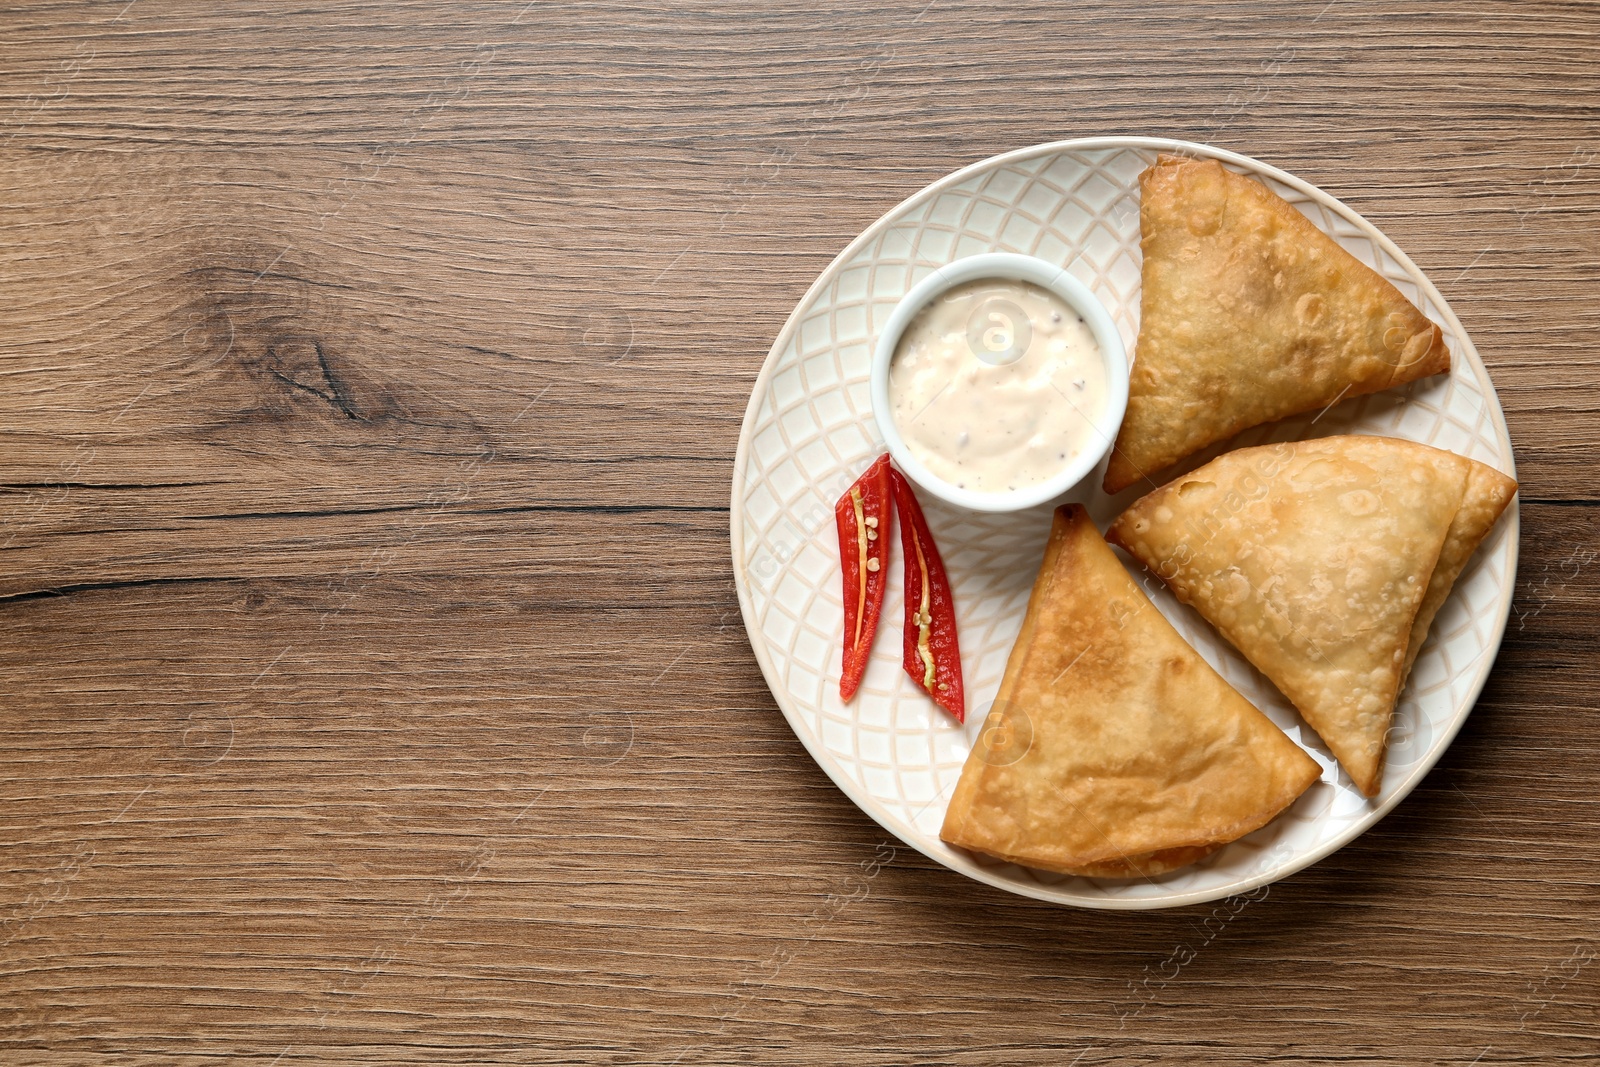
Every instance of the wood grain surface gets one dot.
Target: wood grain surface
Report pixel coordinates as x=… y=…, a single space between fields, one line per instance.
x=374 y=684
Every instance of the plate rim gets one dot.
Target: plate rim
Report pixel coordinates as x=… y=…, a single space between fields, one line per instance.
x=1510 y=522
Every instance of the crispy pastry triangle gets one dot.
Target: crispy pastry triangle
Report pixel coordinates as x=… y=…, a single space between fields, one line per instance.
x=1114 y=750
x=1249 y=313
x=1323 y=562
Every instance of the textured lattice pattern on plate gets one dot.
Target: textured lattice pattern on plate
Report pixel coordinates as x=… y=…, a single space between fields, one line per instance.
x=809 y=432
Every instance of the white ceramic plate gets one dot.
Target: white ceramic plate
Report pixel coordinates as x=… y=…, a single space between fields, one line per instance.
x=809 y=432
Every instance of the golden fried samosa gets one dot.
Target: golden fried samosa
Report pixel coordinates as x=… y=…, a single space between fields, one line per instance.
x=1122 y=753
x=1316 y=560
x=1249 y=313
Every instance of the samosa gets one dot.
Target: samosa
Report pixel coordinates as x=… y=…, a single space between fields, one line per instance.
x=1248 y=314
x=1323 y=562
x=1122 y=753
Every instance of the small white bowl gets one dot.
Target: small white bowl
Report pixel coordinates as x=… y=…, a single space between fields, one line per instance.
x=1007 y=266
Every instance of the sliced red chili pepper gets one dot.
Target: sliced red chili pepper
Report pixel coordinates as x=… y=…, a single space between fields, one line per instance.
x=933 y=656
x=865 y=516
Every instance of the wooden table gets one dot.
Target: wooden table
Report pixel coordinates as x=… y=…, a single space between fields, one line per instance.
x=375 y=687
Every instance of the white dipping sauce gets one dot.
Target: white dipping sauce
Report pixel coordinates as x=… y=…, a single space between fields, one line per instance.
x=996 y=385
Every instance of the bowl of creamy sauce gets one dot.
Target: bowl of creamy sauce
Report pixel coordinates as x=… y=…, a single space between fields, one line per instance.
x=999 y=382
